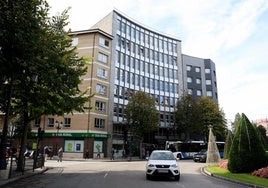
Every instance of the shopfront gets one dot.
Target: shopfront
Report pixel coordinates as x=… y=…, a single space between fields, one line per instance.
x=74 y=145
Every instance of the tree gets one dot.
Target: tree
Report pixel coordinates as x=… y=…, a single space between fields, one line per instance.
x=142 y=115
x=228 y=144
x=262 y=133
x=186 y=116
x=210 y=114
x=41 y=65
x=236 y=122
x=247 y=152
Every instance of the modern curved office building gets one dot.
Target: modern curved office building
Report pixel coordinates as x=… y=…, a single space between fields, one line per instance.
x=150 y=61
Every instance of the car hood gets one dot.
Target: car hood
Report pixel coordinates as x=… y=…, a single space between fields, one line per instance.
x=162 y=162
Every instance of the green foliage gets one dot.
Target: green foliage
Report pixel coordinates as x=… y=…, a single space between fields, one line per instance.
x=236 y=122
x=240 y=177
x=247 y=152
x=38 y=56
x=142 y=115
x=38 y=63
x=262 y=134
x=210 y=114
x=228 y=144
x=195 y=115
x=186 y=115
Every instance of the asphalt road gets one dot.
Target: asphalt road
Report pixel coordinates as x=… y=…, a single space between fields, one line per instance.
x=105 y=174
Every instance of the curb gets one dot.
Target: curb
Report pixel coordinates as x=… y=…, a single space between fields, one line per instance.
x=206 y=173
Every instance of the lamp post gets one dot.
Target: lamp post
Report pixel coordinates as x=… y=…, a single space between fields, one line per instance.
x=40 y=134
x=11 y=134
x=58 y=126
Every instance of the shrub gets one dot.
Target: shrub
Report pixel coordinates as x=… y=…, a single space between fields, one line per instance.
x=247 y=151
x=228 y=143
x=263 y=172
x=224 y=164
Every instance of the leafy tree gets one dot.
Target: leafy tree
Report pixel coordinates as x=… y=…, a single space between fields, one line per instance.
x=262 y=133
x=186 y=116
x=210 y=114
x=236 y=122
x=142 y=115
x=247 y=152
x=41 y=66
x=228 y=144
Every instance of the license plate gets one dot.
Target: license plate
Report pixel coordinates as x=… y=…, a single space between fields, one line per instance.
x=163 y=170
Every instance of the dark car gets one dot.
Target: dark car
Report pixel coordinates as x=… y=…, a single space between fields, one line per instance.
x=201 y=156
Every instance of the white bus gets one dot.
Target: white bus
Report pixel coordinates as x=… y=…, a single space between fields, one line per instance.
x=187 y=149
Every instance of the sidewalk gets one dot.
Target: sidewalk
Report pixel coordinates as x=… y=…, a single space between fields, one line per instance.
x=19 y=175
x=29 y=172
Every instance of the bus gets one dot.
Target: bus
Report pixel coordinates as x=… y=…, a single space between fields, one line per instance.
x=187 y=149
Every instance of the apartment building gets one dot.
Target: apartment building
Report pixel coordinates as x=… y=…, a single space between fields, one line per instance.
x=89 y=130
x=126 y=57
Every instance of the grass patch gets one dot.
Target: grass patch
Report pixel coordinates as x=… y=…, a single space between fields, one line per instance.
x=242 y=177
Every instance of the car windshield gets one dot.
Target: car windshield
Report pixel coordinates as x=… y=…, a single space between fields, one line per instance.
x=162 y=156
x=203 y=151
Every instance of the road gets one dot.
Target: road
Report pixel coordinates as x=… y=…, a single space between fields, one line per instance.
x=105 y=174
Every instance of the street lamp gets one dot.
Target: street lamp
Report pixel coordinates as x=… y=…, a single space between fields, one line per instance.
x=58 y=126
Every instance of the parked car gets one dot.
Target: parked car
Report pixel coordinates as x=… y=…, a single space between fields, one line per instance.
x=201 y=156
x=162 y=163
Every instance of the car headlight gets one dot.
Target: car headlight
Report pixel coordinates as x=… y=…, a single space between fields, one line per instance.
x=150 y=165
x=174 y=166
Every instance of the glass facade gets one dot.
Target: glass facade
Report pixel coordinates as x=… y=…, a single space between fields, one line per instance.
x=146 y=61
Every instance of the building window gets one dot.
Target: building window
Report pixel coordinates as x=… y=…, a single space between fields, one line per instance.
x=67 y=122
x=74 y=41
x=50 y=122
x=101 y=89
x=99 y=123
x=102 y=57
x=198 y=80
x=104 y=42
x=197 y=69
x=102 y=73
x=208 y=82
x=100 y=106
x=189 y=79
x=190 y=91
x=198 y=92
x=209 y=93
x=37 y=122
x=188 y=67
x=207 y=71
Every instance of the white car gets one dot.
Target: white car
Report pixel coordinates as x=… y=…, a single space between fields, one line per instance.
x=162 y=163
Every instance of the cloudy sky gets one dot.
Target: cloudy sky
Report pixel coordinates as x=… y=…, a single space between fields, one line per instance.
x=233 y=33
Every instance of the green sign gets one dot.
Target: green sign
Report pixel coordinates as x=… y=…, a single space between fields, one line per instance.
x=73 y=135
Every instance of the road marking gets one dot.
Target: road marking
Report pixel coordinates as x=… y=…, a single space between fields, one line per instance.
x=106 y=174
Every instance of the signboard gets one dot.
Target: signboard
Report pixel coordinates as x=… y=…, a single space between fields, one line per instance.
x=98 y=145
x=73 y=145
x=73 y=135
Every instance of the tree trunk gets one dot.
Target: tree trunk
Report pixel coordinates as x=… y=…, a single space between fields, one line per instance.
x=20 y=166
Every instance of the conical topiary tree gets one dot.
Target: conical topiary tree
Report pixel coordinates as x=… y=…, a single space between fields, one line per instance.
x=228 y=143
x=247 y=152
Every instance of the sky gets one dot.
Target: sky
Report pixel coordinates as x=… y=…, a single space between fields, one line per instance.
x=232 y=33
